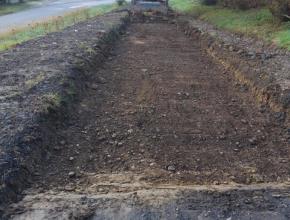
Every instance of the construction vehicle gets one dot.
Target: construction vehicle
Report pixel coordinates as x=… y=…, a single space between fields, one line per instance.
x=150 y=3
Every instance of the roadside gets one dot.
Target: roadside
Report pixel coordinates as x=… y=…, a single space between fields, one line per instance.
x=22 y=34
x=13 y=8
x=229 y=37
x=259 y=23
x=44 y=11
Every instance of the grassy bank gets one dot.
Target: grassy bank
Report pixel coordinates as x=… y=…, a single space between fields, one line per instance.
x=19 y=35
x=8 y=9
x=256 y=22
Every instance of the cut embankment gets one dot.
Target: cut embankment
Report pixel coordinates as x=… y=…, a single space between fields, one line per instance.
x=250 y=44
x=40 y=80
x=254 y=64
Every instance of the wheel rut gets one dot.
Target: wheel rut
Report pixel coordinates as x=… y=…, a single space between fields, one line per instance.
x=163 y=132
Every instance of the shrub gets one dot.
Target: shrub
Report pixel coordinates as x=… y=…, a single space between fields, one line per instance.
x=208 y=2
x=280 y=9
x=242 y=4
x=120 y=2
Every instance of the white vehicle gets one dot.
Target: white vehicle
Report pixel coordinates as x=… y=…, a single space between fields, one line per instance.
x=150 y=3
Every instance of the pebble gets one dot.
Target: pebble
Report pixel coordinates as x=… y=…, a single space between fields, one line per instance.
x=71 y=158
x=171 y=168
x=240 y=51
x=102 y=138
x=101 y=190
x=244 y=121
x=57 y=148
x=253 y=141
x=71 y=174
x=69 y=188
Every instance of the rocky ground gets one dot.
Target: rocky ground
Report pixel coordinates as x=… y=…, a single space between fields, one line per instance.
x=162 y=132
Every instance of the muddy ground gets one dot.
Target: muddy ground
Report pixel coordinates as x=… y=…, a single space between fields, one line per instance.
x=162 y=132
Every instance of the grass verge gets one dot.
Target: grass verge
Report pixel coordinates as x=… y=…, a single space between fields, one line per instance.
x=255 y=22
x=8 y=9
x=19 y=35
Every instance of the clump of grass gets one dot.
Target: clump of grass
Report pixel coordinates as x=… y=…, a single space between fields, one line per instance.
x=255 y=22
x=19 y=35
x=282 y=37
x=183 y=5
x=50 y=102
x=34 y=81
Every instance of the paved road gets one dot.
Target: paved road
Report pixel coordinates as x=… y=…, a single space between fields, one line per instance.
x=43 y=10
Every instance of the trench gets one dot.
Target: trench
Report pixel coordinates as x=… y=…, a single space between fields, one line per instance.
x=162 y=133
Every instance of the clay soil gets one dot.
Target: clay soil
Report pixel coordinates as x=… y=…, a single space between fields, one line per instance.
x=161 y=109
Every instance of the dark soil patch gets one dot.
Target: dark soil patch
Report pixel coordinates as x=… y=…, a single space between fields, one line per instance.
x=161 y=104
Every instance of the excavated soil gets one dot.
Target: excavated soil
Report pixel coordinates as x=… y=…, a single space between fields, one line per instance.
x=161 y=114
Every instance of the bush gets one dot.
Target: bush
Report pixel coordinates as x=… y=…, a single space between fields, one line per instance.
x=242 y=4
x=280 y=9
x=208 y=2
x=120 y=2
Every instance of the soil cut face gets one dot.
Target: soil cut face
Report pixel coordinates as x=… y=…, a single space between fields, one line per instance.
x=161 y=113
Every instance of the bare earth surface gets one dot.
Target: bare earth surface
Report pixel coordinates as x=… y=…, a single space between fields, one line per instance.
x=159 y=119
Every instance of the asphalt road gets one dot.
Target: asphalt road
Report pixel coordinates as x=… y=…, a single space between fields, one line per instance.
x=42 y=10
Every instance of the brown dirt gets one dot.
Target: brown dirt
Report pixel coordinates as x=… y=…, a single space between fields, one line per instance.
x=161 y=101
x=161 y=110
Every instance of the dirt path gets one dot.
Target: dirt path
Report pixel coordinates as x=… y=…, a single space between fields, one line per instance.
x=161 y=114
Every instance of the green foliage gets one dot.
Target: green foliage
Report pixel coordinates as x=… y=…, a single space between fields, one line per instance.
x=208 y=2
x=120 y=2
x=8 y=9
x=243 y=4
x=282 y=37
x=183 y=5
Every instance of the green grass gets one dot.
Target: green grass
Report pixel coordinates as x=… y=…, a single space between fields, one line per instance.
x=8 y=9
x=183 y=5
x=255 y=22
x=19 y=35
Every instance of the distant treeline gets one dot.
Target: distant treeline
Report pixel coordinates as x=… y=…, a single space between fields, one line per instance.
x=3 y=2
x=279 y=8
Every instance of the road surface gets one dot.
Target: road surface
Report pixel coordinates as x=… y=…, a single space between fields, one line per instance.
x=43 y=10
